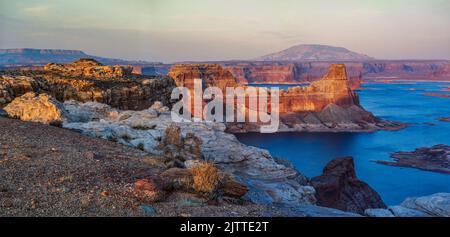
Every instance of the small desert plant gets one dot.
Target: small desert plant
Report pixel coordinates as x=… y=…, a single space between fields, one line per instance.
x=206 y=178
x=141 y=146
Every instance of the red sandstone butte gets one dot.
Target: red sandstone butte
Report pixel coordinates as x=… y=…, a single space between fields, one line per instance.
x=333 y=88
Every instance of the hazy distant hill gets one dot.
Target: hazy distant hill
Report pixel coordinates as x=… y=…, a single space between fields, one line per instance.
x=311 y=52
x=27 y=56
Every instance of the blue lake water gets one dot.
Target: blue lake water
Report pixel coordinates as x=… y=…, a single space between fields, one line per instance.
x=403 y=101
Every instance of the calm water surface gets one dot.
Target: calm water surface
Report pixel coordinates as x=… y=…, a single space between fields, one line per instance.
x=403 y=101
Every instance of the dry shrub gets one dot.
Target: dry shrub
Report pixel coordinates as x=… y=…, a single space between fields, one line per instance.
x=206 y=178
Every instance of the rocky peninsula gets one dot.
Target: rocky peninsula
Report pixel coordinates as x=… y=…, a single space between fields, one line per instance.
x=326 y=105
x=435 y=158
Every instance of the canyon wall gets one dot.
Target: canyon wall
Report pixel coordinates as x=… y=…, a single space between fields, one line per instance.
x=299 y=72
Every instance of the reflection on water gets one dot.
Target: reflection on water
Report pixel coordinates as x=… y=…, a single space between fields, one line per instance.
x=310 y=152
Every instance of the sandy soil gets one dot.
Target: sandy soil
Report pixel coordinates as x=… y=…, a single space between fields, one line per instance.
x=50 y=171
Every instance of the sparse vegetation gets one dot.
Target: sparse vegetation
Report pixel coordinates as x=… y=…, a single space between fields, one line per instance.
x=141 y=147
x=206 y=178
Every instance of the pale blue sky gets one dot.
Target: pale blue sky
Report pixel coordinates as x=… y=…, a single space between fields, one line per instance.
x=177 y=30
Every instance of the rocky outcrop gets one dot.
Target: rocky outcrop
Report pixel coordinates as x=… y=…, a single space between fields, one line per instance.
x=329 y=104
x=211 y=75
x=136 y=92
x=435 y=205
x=86 y=67
x=338 y=187
x=11 y=87
x=435 y=158
x=444 y=119
x=267 y=180
x=36 y=108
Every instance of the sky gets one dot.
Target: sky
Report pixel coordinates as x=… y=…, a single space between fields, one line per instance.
x=184 y=30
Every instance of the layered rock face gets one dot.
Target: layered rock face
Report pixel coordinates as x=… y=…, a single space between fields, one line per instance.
x=85 y=83
x=333 y=88
x=300 y=72
x=338 y=187
x=89 y=68
x=329 y=104
x=211 y=74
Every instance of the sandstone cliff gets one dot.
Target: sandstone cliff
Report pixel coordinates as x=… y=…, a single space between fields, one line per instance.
x=300 y=72
x=334 y=88
x=211 y=74
x=329 y=104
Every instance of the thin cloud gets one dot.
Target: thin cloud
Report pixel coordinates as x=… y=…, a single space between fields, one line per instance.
x=36 y=10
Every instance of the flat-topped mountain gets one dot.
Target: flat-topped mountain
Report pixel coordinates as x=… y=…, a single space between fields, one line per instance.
x=27 y=56
x=315 y=52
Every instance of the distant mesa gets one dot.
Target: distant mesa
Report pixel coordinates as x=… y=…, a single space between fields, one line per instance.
x=27 y=56
x=315 y=52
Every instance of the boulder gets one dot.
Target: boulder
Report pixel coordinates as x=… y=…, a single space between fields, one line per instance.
x=37 y=108
x=400 y=211
x=338 y=187
x=151 y=189
x=437 y=204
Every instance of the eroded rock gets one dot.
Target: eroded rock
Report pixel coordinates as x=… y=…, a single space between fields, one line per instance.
x=37 y=108
x=267 y=180
x=338 y=187
x=435 y=158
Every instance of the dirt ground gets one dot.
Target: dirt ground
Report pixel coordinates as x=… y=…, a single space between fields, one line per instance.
x=51 y=171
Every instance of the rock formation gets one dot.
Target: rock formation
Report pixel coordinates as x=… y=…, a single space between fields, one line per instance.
x=89 y=68
x=332 y=89
x=329 y=104
x=11 y=87
x=338 y=187
x=301 y=72
x=267 y=180
x=444 y=119
x=113 y=87
x=211 y=74
x=435 y=158
x=435 y=205
x=36 y=108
